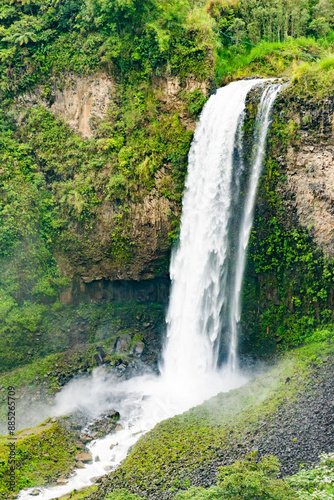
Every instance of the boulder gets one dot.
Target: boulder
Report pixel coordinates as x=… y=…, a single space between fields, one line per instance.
x=83 y=457
x=137 y=348
x=123 y=344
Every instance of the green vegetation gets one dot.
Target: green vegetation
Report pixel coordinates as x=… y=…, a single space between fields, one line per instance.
x=42 y=453
x=317 y=483
x=314 y=80
x=293 y=282
x=169 y=457
x=252 y=21
x=245 y=480
x=270 y=59
x=81 y=494
x=252 y=479
x=289 y=280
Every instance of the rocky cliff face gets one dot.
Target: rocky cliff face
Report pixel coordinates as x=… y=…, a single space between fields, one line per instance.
x=83 y=102
x=308 y=190
x=289 y=280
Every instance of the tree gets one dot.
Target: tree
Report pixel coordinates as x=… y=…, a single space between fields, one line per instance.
x=252 y=480
x=323 y=18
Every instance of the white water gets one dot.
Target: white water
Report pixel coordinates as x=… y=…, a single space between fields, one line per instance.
x=259 y=143
x=197 y=268
x=189 y=373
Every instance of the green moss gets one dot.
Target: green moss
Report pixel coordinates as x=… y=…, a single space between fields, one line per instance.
x=83 y=493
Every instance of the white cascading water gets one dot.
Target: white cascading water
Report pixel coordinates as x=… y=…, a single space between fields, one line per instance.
x=189 y=373
x=259 y=143
x=197 y=268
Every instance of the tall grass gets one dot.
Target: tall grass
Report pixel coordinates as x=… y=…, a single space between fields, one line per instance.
x=271 y=59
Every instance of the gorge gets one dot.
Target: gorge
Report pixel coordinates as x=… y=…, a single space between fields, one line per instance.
x=166 y=249
x=205 y=284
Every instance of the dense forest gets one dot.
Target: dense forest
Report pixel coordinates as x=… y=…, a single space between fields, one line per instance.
x=90 y=207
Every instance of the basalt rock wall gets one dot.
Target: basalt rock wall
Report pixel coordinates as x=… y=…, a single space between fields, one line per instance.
x=288 y=289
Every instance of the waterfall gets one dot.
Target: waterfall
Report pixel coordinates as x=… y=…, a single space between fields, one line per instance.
x=259 y=142
x=199 y=267
x=206 y=290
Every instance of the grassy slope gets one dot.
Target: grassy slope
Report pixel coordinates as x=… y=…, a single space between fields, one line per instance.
x=177 y=451
x=43 y=453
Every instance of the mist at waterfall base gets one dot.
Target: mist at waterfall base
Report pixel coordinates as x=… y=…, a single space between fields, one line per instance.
x=203 y=283
x=142 y=402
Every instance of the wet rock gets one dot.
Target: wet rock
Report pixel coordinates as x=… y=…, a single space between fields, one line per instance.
x=106 y=424
x=84 y=457
x=74 y=422
x=138 y=348
x=85 y=438
x=79 y=445
x=61 y=480
x=35 y=492
x=96 y=479
x=79 y=465
x=123 y=344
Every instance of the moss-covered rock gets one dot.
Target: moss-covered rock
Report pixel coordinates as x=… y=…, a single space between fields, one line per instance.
x=288 y=288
